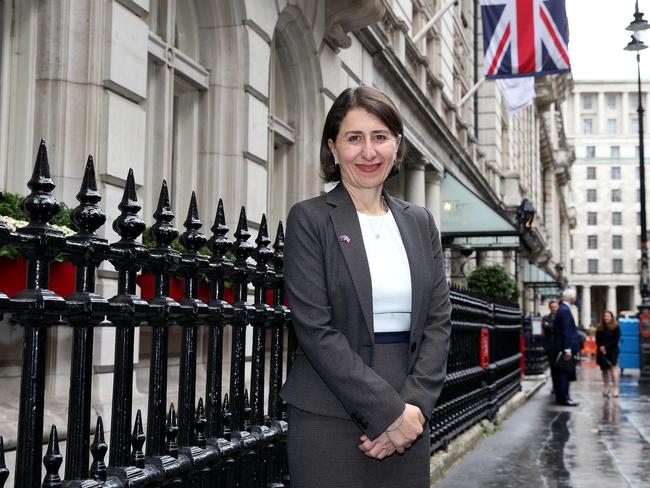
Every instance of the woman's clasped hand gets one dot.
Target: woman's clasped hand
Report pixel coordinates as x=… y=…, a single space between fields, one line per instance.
x=398 y=436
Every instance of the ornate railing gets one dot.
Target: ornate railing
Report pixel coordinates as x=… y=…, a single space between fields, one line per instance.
x=210 y=439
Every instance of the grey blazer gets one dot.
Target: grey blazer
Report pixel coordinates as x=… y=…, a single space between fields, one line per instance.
x=330 y=295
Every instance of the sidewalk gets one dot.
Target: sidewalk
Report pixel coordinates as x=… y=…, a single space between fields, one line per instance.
x=443 y=461
x=605 y=442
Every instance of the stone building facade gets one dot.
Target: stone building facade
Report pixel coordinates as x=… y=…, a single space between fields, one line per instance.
x=228 y=97
x=602 y=122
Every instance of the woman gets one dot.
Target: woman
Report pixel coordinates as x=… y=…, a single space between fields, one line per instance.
x=607 y=336
x=370 y=307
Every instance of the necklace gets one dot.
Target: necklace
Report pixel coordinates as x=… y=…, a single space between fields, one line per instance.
x=376 y=229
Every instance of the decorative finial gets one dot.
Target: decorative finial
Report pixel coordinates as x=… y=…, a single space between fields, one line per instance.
x=40 y=206
x=199 y=424
x=192 y=239
x=98 y=450
x=52 y=461
x=172 y=433
x=88 y=216
x=219 y=243
x=163 y=232
x=129 y=225
x=137 y=441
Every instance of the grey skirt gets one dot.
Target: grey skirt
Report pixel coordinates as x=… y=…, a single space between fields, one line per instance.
x=323 y=451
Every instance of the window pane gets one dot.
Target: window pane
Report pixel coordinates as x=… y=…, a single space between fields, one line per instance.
x=616 y=195
x=587 y=126
x=592 y=242
x=611 y=100
x=617 y=242
x=591 y=151
x=592 y=218
x=616 y=170
x=615 y=153
x=587 y=101
x=591 y=195
x=617 y=266
x=612 y=126
x=592 y=265
x=634 y=124
x=617 y=218
x=591 y=172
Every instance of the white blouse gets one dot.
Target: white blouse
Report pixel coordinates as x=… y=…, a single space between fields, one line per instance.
x=389 y=272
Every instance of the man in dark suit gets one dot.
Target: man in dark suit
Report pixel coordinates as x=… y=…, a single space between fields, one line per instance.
x=565 y=348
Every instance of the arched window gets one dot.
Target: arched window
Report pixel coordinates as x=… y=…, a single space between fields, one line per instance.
x=175 y=81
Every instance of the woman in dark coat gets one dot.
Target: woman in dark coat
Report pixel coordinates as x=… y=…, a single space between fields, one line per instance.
x=608 y=334
x=370 y=308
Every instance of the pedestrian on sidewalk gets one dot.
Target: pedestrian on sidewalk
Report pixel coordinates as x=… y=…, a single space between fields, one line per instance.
x=364 y=273
x=565 y=349
x=608 y=335
x=547 y=331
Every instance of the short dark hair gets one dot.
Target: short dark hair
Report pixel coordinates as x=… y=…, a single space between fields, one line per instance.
x=374 y=101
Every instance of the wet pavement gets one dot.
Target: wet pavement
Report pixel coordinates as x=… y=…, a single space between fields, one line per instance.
x=604 y=442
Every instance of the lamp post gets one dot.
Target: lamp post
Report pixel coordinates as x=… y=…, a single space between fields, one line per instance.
x=638 y=25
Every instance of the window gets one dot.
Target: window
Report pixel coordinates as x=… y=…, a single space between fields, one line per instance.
x=616 y=171
x=175 y=80
x=634 y=124
x=617 y=241
x=617 y=218
x=634 y=100
x=615 y=152
x=591 y=172
x=587 y=101
x=587 y=126
x=591 y=151
x=612 y=126
x=592 y=266
x=611 y=100
x=591 y=195
x=573 y=268
x=571 y=241
x=592 y=242
x=617 y=265
x=616 y=195
x=592 y=218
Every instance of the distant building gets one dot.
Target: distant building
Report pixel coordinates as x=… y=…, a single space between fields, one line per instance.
x=602 y=124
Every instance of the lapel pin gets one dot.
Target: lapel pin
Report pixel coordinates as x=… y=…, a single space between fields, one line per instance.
x=344 y=238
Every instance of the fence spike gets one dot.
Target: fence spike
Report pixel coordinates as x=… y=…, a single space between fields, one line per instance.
x=172 y=432
x=262 y=253
x=137 y=441
x=40 y=206
x=192 y=239
x=4 y=472
x=226 y=415
x=88 y=216
x=199 y=424
x=278 y=245
x=98 y=450
x=129 y=225
x=52 y=461
x=163 y=232
x=219 y=243
x=242 y=233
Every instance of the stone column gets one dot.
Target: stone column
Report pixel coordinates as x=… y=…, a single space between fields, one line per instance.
x=611 y=299
x=432 y=194
x=415 y=183
x=586 y=307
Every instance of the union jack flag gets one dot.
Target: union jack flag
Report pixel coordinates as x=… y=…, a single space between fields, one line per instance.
x=525 y=37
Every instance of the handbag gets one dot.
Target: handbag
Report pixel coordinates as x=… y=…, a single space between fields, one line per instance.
x=568 y=365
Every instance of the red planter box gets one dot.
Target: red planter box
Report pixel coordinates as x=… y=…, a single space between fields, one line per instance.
x=14 y=276
x=177 y=288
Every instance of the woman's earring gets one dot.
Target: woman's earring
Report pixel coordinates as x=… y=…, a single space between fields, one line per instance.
x=336 y=163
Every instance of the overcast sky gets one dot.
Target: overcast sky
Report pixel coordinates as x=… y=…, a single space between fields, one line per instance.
x=597 y=37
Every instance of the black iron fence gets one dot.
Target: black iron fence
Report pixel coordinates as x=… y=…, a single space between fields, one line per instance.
x=234 y=439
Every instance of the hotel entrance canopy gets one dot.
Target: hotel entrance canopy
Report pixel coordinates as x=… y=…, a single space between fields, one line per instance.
x=467 y=221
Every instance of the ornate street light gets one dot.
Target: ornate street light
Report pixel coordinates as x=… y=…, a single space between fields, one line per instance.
x=638 y=25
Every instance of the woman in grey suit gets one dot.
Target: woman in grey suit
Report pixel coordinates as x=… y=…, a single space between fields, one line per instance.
x=370 y=307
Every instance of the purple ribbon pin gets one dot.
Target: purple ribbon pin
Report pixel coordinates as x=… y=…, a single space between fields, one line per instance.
x=344 y=238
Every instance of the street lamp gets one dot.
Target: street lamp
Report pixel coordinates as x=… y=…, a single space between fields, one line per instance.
x=638 y=25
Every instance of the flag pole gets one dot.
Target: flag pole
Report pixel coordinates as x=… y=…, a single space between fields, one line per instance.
x=434 y=19
x=471 y=92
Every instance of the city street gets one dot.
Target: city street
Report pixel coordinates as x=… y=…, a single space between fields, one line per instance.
x=605 y=442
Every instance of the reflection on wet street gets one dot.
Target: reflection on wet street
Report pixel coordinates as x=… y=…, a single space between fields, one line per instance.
x=605 y=442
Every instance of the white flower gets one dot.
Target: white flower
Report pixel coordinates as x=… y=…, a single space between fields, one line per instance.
x=14 y=224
